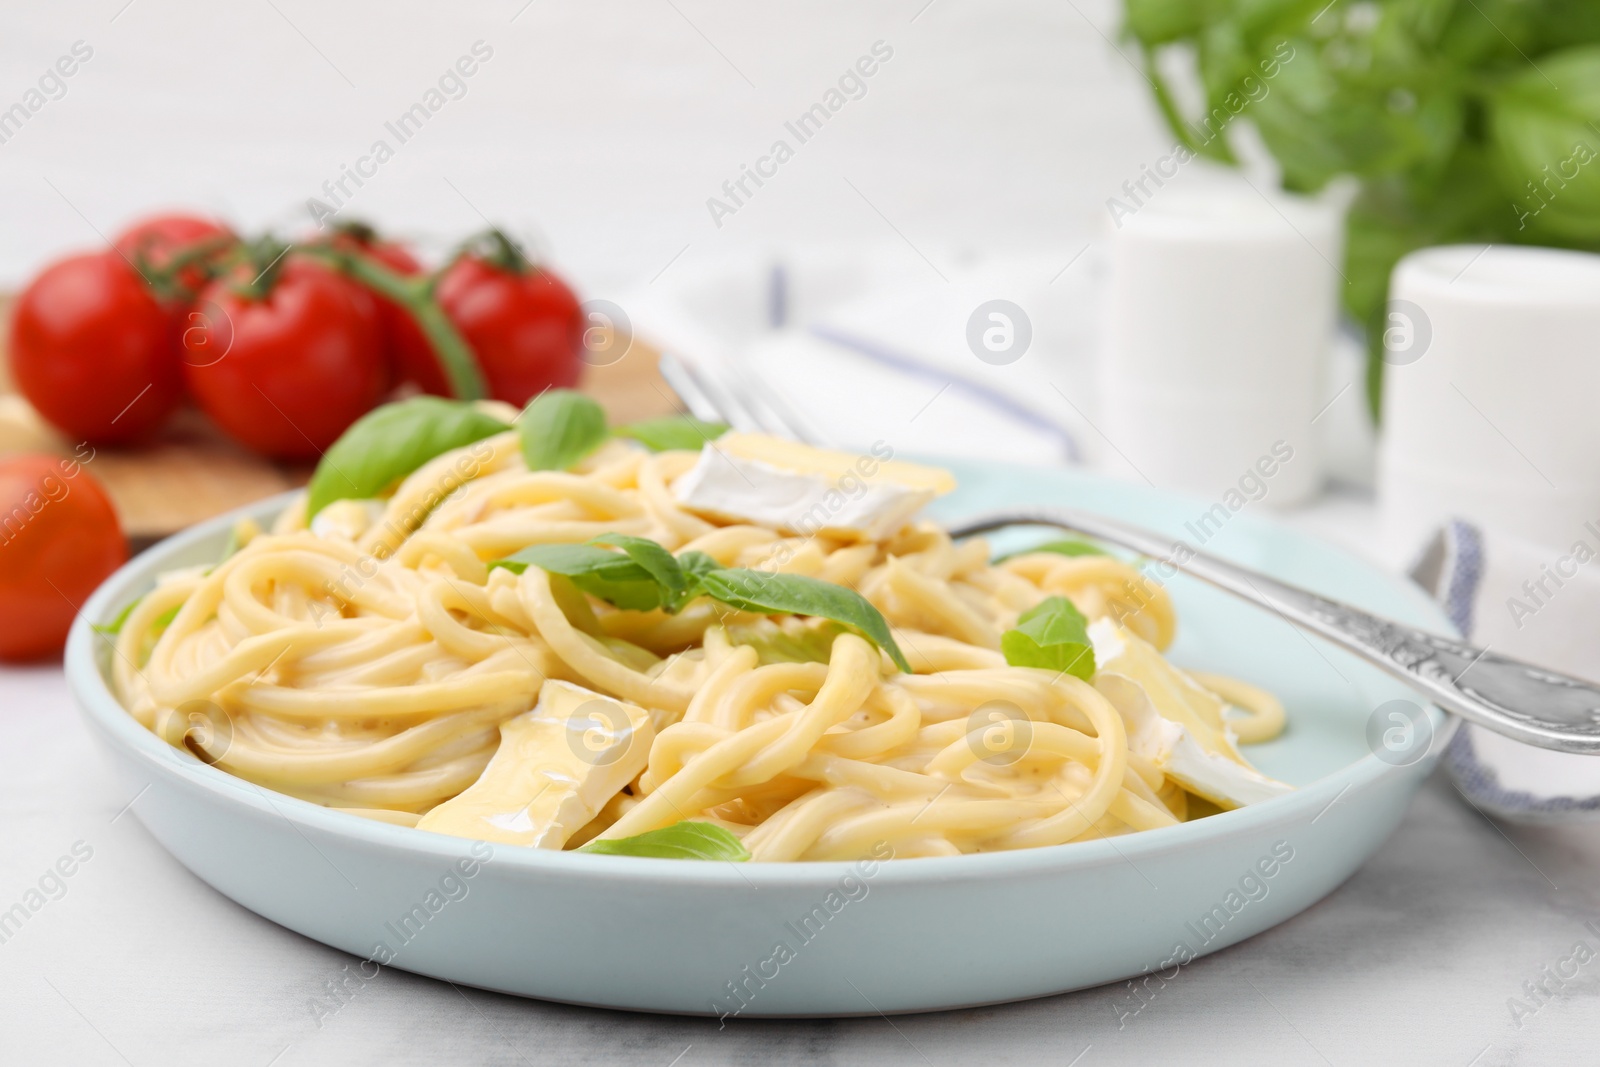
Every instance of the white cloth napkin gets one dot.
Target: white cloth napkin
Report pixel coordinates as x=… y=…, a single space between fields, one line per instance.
x=870 y=343
x=1538 y=604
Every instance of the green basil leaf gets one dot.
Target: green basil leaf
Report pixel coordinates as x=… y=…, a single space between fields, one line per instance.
x=1067 y=547
x=1547 y=144
x=388 y=443
x=114 y=627
x=696 y=565
x=794 y=594
x=674 y=433
x=652 y=557
x=612 y=576
x=558 y=428
x=681 y=841
x=1053 y=635
x=645 y=576
x=159 y=624
x=1161 y=21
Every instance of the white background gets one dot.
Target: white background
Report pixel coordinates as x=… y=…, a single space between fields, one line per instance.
x=600 y=128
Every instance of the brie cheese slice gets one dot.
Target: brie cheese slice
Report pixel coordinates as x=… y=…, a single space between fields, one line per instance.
x=1175 y=695
x=807 y=491
x=556 y=767
x=1174 y=721
x=1226 y=782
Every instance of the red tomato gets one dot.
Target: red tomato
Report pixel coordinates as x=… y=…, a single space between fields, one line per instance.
x=410 y=354
x=526 y=328
x=153 y=241
x=58 y=540
x=286 y=372
x=94 y=351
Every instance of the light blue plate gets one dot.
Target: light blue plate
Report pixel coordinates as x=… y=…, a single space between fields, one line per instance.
x=826 y=938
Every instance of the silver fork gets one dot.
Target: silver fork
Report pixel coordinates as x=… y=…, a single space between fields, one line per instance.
x=1526 y=703
x=741 y=399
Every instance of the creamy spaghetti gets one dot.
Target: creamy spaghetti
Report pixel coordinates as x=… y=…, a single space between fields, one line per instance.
x=375 y=661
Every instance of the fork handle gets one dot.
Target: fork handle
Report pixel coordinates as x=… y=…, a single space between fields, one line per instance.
x=1526 y=703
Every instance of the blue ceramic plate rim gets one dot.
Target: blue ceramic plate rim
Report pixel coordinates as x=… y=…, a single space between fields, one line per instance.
x=89 y=685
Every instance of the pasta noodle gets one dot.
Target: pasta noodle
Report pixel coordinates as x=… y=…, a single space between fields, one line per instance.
x=368 y=660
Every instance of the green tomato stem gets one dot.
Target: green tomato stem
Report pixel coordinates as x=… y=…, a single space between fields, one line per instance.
x=165 y=280
x=207 y=248
x=415 y=294
x=263 y=257
x=495 y=247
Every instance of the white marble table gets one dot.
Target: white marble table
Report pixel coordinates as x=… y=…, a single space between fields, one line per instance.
x=131 y=959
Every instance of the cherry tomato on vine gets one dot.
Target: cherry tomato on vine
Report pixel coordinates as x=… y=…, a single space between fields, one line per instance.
x=409 y=352
x=94 y=351
x=287 y=356
x=522 y=322
x=59 y=539
x=152 y=244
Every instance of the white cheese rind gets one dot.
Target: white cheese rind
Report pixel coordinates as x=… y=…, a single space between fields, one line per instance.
x=1217 y=778
x=1175 y=695
x=1229 y=783
x=556 y=767
x=734 y=488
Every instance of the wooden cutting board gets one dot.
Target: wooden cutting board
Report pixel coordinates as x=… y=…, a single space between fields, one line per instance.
x=192 y=472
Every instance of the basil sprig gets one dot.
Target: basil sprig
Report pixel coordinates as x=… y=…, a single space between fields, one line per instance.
x=386 y=444
x=654 y=560
x=644 y=576
x=674 y=433
x=696 y=565
x=1053 y=635
x=558 y=428
x=612 y=576
x=1071 y=546
x=795 y=594
x=687 y=840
